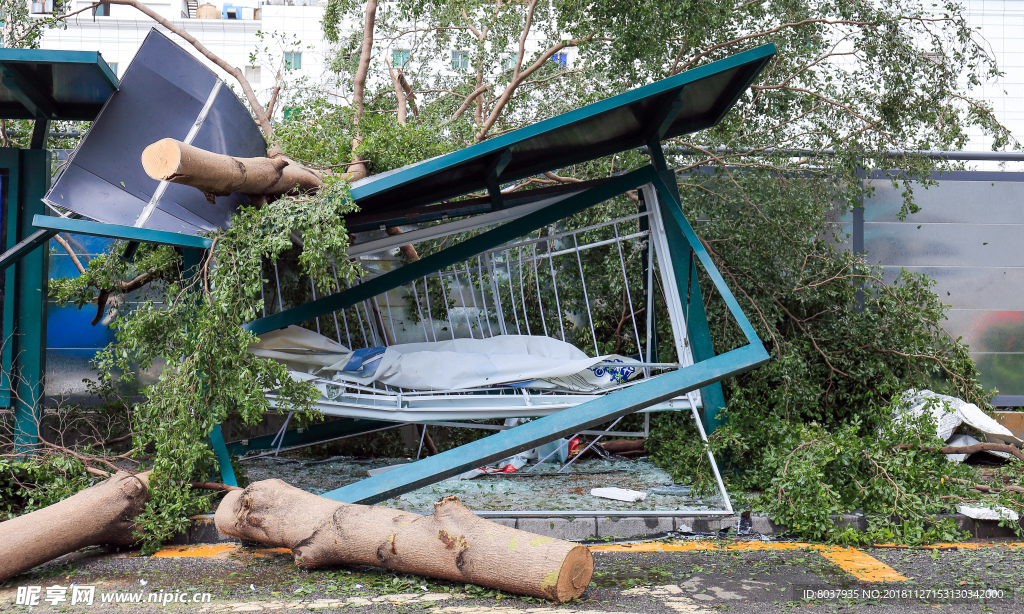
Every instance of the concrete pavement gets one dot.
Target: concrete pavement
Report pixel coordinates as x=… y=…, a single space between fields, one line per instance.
x=696 y=576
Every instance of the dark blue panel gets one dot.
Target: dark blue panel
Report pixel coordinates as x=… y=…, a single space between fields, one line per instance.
x=162 y=95
x=70 y=328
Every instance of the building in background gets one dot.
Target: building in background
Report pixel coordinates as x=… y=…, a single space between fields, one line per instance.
x=285 y=35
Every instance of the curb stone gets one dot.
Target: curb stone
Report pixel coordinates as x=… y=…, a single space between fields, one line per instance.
x=203 y=531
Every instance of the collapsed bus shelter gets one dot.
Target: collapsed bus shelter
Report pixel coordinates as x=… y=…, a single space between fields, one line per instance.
x=419 y=196
x=44 y=86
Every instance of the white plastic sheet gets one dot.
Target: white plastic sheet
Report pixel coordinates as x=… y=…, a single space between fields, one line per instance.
x=986 y=513
x=619 y=494
x=299 y=348
x=950 y=412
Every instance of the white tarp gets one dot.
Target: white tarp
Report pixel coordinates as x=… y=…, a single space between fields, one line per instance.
x=299 y=348
x=618 y=494
x=524 y=360
x=950 y=412
x=986 y=513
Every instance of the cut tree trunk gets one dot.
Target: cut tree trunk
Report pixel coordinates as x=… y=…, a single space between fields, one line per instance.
x=100 y=514
x=452 y=543
x=219 y=174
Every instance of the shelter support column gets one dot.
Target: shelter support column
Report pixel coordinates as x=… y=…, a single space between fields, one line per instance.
x=697 y=327
x=25 y=289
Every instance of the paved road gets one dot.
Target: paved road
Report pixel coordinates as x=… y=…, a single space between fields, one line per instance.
x=694 y=577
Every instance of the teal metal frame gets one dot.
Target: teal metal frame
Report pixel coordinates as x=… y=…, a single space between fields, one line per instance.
x=24 y=349
x=117 y=231
x=685 y=248
x=452 y=175
x=86 y=81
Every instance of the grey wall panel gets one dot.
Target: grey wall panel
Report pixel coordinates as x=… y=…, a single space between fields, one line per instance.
x=974 y=202
x=108 y=201
x=969 y=237
x=903 y=243
x=969 y=287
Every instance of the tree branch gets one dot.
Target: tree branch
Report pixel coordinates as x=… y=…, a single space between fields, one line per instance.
x=978 y=447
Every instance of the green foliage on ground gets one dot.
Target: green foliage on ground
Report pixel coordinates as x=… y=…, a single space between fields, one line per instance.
x=195 y=331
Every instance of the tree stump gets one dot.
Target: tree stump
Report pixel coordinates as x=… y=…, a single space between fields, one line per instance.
x=453 y=543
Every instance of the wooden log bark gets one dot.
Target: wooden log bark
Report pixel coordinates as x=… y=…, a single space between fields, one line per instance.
x=452 y=543
x=218 y=174
x=624 y=446
x=100 y=514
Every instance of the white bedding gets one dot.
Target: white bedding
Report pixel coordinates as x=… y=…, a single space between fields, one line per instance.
x=521 y=360
x=508 y=360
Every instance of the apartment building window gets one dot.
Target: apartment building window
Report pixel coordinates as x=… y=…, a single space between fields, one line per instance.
x=562 y=59
x=252 y=74
x=113 y=67
x=42 y=6
x=101 y=10
x=460 y=60
x=400 y=57
x=293 y=60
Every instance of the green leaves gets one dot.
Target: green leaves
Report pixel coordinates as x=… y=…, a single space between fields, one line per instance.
x=187 y=323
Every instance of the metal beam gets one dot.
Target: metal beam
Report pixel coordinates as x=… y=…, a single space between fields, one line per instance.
x=538 y=432
x=675 y=214
x=457 y=253
x=117 y=231
x=40 y=131
x=494 y=171
x=192 y=261
x=664 y=117
x=684 y=268
x=27 y=93
x=36 y=239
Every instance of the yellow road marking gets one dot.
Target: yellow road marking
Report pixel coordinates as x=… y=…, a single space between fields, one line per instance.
x=862 y=565
x=691 y=546
x=199 y=551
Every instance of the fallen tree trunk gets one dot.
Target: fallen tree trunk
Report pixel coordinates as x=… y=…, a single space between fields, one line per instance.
x=219 y=174
x=100 y=514
x=452 y=544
